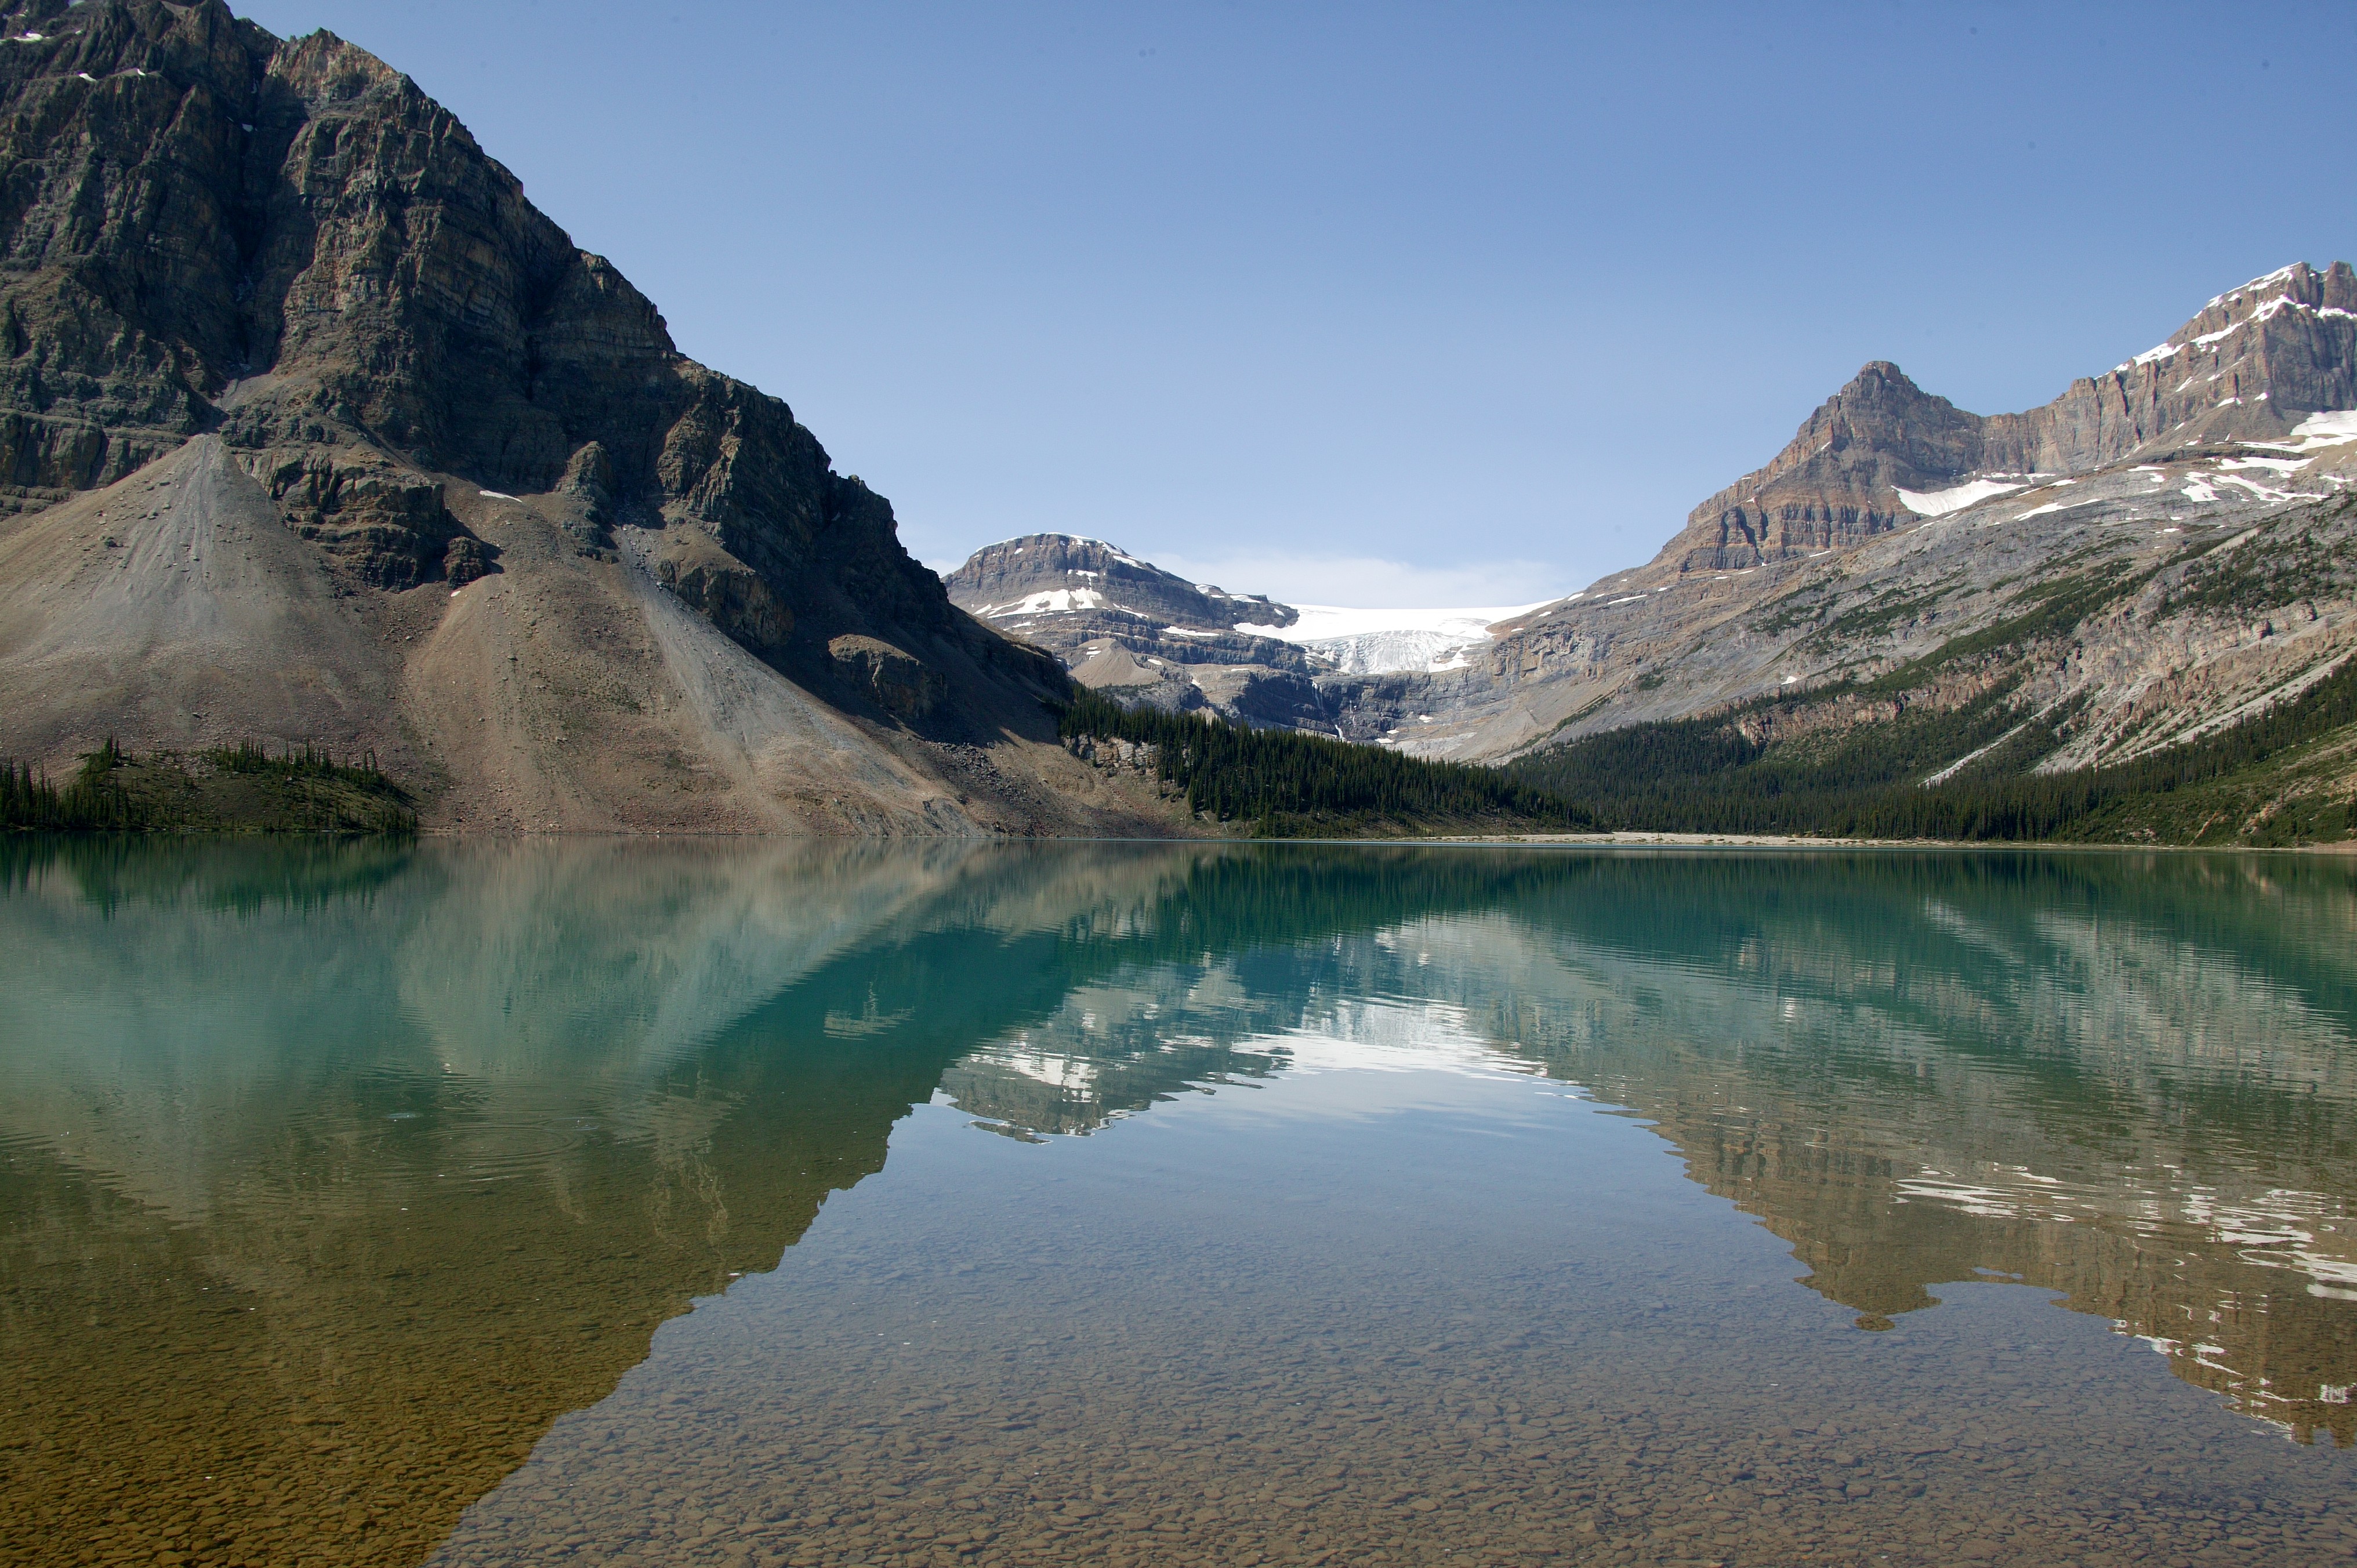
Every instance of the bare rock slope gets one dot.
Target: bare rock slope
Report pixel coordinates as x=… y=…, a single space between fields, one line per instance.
x=313 y=428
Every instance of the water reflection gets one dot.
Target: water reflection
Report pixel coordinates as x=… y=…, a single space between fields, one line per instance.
x=334 y=1175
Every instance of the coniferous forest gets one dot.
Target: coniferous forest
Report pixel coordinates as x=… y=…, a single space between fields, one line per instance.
x=1286 y=784
x=2241 y=785
x=1706 y=776
x=225 y=789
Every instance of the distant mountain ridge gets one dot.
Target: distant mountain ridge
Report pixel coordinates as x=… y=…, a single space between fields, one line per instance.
x=2201 y=434
x=1909 y=594
x=1125 y=625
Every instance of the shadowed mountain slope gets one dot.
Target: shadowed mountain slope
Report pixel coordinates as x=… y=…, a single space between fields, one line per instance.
x=315 y=429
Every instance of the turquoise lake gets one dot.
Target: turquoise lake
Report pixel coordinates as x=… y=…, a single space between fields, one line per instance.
x=764 y=1202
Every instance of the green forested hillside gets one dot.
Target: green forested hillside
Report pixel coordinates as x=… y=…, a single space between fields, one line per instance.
x=227 y=788
x=2281 y=778
x=1286 y=784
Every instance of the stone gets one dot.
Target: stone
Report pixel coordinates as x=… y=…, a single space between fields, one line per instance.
x=895 y=680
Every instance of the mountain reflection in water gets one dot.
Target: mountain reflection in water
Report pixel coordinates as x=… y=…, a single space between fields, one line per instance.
x=334 y=1175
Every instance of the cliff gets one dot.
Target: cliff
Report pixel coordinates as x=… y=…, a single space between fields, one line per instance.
x=289 y=366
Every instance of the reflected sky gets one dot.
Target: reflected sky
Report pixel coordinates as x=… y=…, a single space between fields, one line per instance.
x=336 y=1176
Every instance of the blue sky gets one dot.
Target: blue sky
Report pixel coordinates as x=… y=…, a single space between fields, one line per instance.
x=1377 y=304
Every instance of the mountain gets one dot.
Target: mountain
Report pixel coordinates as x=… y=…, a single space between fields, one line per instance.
x=2154 y=574
x=2162 y=552
x=1879 y=449
x=313 y=430
x=1143 y=635
x=1127 y=627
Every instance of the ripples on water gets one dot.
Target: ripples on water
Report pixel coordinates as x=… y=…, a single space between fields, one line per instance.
x=354 y=1198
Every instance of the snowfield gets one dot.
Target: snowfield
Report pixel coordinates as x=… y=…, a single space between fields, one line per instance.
x=1940 y=503
x=1048 y=603
x=1380 y=641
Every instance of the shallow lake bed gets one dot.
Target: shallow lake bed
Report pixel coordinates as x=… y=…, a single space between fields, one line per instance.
x=1126 y=1203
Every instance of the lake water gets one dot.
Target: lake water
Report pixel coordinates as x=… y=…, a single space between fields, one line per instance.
x=790 y=1203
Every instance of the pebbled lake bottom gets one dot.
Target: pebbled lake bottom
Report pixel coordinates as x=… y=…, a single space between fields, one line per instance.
x=853 y=1204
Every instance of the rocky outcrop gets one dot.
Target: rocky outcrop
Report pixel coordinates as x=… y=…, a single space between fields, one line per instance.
x=726 y=592
x=889 y=676
x=385 y=523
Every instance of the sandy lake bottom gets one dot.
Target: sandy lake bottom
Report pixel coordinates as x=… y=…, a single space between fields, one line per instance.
x=802 y=1204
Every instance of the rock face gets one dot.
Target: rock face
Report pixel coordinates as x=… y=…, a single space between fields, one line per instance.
x=1836 y=485
x=1017 y=580
x=1125 y=625
x=286 y=251
x=2242 y=370
x=2194 y=500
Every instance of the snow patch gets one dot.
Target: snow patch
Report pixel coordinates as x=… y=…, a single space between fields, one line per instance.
x=2058 y=505
x=1053 y=601
x=2335 y=427
x=2266 y=493
x=1940 y=503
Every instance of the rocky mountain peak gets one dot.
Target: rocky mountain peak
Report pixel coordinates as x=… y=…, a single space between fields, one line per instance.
x=1017 y=580
x=282 y=266
x=1837 y=481
x=207 y=229
x=2297 y=286
x=2248 y=367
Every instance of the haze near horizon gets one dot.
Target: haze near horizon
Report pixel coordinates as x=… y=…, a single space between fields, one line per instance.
x=1386 y=305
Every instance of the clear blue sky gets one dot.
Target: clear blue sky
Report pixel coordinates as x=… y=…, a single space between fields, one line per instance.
x=1393 y=304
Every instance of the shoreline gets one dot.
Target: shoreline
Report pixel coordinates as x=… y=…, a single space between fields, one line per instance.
x=1623 y=840
x=1635 y=840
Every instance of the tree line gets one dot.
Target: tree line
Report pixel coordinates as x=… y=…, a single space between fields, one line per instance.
x=1286 y=784
x=300 y=790
x=1706 y=776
